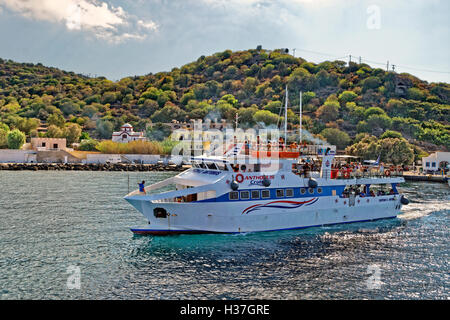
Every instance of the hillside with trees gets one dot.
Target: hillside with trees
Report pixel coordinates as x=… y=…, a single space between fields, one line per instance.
x=361 y=109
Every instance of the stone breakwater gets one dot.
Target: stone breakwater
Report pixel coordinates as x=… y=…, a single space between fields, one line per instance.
x=91 y=167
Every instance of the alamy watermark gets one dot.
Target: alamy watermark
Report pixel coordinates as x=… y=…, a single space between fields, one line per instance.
x=374 y=19
x=374 y=280
x=74 y=278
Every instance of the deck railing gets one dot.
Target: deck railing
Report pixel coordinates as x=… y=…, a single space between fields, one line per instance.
x=349 y=174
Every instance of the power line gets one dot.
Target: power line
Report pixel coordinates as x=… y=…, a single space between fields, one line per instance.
x=423 y=70
x=362 y=59
x=321 y=53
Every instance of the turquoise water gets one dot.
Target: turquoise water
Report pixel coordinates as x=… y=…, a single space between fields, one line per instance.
x=51 y=221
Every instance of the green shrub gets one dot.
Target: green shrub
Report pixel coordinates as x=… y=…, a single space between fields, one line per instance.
x=16 y=139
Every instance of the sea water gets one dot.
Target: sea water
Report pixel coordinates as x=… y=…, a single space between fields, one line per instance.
x=65 y=235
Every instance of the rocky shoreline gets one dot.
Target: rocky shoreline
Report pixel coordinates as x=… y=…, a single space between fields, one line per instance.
x=91 y=167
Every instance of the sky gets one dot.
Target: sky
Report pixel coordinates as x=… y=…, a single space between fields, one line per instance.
x=121 y=38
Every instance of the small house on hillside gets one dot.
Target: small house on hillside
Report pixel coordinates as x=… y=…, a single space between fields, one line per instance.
x=127 y=134
x=47 y=144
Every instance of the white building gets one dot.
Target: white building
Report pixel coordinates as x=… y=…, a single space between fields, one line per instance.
x=126 y=134
x=17 y=156
x=436 y=161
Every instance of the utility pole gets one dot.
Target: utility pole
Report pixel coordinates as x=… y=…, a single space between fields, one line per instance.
x=359 y=59
x=350 y=59
x=293 y=52
x=387 y=66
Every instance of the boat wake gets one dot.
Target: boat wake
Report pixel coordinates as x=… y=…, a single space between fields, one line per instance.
x=422 y=209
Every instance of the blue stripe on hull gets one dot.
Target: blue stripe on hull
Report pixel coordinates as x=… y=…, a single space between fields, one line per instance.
x=173 y=232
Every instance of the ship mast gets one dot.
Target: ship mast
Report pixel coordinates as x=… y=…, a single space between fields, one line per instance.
x=285 y=116
x=300 y=130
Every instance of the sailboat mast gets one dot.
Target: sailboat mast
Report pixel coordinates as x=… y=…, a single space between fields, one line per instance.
x=300 y=130
x=285 y=116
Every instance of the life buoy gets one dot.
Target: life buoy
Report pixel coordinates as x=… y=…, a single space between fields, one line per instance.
x=387 y=173
x=239 y=178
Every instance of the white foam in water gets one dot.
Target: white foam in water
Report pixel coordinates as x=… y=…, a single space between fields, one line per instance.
x=424 y=208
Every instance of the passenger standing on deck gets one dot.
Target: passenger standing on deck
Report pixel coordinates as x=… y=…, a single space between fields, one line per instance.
x=142 y=187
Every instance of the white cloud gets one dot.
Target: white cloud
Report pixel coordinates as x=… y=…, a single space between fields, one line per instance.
x=97 y=17
x=147 y=25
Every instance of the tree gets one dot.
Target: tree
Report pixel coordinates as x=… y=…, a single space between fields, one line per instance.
x=16 y=139
x=273 y=106
x=373 y=110
x=159 y=131
x=109 y=97
x=329 y=111
x=371 y=83
x=70 y=107
x=267 y=70
x=169 y=112
x=72 y=133
x=226 y=110
x=336 y=137
x=376 y=121
x=356 y=113
x=89 y=111
x=27 y=124
x=3 y=138
x=347 y=96
x=391 y=134
x=391 y=150
x=266 y=117
x=148 y=108
x=229 y=98
x=396 y=151
x=231 y=72
x=246 y=115
x=54 y=132
x=88 y=145
x=56 y=119
x=85 y=136
x=104 y=129
x=416 y=94
x=4 y=126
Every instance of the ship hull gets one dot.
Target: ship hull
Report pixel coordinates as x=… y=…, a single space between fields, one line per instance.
x=259 y=216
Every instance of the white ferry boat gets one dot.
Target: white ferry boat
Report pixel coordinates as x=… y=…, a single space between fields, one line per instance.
x=250 y=191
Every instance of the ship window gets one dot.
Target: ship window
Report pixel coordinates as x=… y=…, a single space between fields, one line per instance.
x=255 y=194
x=302 y=190
x=280 y=193
x=265 y=194
x=311 y=190
x=319 y=190
x=289 y=193
x=221 y=166
x=234 y=195
x=245 y=195
x=211 y=166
